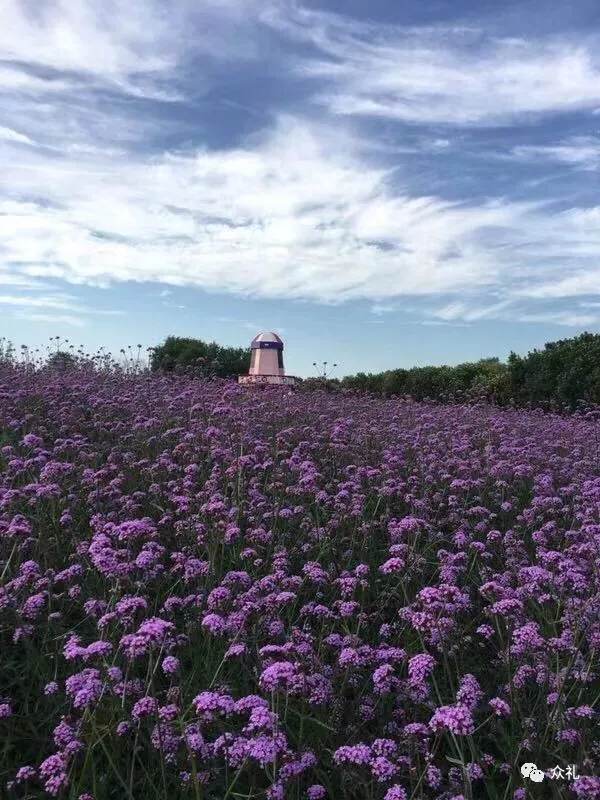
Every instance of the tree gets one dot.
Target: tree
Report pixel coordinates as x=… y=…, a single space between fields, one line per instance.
x=394 y=382
x=200 y=358
x=562 y=375
x=486 y=377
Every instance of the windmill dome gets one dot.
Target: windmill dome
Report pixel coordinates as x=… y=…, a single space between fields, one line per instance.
x=266 y=338
x=266 y=362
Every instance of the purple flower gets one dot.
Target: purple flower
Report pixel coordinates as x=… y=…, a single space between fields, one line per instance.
x=420 y=667
x=396 y=792
x=456 y=719
x=168 y=713
x=85 y=688
x=475 y=772
x=583 y=712
x=249 y=702
x=170 y=665
x=384 y=747
x=527 y=638
x=416 y=729
x=265 y=749
x=209 y=705
x=54 y=772
x=66 y=735
x=433 y=777
x=235 y=650
x=97 y=649
x=31 y=440
x=587 y=787
x=144 y=707
x=383 y=679
x=349 y=608
x=469 y=693
x=278 y=675
x=155 y=629
x=354 y=754
x=392 y=566
x=114 y=673
x=214 y=624
x=25 y=774
x=33 y=605
x=275 y=792
x=260 y=719
x=382 y=769
x=142 y=495
x=123 y=728
x=499 y=707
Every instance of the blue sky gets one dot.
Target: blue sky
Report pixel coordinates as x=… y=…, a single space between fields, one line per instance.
x=384 y=184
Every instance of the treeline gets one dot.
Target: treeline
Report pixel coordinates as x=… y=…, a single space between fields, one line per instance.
x=482 y=378
x=195 y=357
x=563 y=376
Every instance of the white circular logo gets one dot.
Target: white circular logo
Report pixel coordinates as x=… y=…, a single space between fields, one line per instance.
x=526 y=769
x=531 y=771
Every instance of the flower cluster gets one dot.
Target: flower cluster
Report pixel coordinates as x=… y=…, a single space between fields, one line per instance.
x=209 y=589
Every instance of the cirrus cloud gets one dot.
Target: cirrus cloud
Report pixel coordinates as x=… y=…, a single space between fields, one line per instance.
x=107 y=176
x=442 y=74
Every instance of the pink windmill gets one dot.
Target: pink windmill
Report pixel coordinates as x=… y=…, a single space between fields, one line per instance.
x=266 y=362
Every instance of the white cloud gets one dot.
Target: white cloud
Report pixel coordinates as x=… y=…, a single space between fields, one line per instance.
x=131 y=47
x=15 y=280
x=579 y=151
x=580 y=283
x=111 y=42
x=381 y=308
x=451 y=311
x=566 y=318
x=60 y=58
x=250 y=326
x=441 y=74
x=443 y=323
x=305 y=209
x=301 y=212
x=462 y=311
x=440 y=144
x=59 y=319
x=508 y=311
x=58 y=301
x=46 y=307
x=14 y=79
x=14 y=136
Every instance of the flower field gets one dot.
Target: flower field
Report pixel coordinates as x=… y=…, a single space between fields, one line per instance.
x=209 y=592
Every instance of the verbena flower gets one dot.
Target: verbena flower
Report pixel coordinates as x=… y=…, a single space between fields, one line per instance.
x=500 y=707
x=170 y=665
x=233 y=574
x=456 y=719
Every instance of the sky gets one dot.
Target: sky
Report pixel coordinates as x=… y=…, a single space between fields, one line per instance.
x=384 y=184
